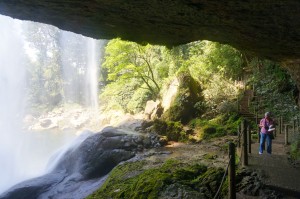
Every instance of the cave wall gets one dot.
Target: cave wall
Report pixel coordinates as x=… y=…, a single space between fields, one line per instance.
x=270 y=28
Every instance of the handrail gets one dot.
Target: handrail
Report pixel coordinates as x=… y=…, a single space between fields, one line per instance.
x=239 y=137
x=226 y=171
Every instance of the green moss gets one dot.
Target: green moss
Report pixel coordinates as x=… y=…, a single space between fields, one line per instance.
x=213 y=131
x=197 y=122
x=210 y=156
x=173 y=130
x=133 y=180
x=295 y=150
x=187 y=102
x=225 y=124
x=254 y=136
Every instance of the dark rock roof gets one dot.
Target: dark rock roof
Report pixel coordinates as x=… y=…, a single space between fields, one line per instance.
x=270 y=28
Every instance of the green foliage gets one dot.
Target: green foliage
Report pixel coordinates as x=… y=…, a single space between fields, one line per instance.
x=117 y=95
x=173 y=130
x=275 y=87
x=131 y=180
x=126 y=60
x=212 y=131
x=225 y=124
x=43 y=71
x=220 y=95
x=216 y=66
x=56 y=66
x=212 y=65
x=138 y=100
x=295 y=149
x=206 y=58
x=135 y=74
x=188 y=101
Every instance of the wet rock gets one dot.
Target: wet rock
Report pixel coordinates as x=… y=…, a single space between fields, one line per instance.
x=45 y=123
x=250 y=183
x=153 y=110
x=33 y=188
x=179 y=191
x=93 y=158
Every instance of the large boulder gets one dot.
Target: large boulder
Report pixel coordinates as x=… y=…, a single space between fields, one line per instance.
x=185 y=104
x=90 y=160
x=153 y=110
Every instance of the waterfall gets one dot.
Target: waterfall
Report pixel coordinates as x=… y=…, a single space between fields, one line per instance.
x=80 y=56
x=71 y=63
x=92 y=72
x=12 y=91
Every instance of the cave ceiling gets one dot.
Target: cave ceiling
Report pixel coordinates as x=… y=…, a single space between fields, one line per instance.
x=269 y=28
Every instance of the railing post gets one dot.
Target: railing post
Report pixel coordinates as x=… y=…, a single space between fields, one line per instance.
x=231 y=172
x=286 y=140
x=297 y=120
x=245 y=151
x=239 y=135
x=281 y=124
x=294 y=125
x=248 y=101
x=298 y=124
x=256 y=118
x=258 y=129
x=294 y=129
x=249 y=139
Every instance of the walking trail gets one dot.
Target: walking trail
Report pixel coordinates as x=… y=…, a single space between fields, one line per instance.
x=278 y=173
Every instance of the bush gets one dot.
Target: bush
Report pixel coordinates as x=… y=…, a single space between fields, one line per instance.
x=173 y=130
x=295 y=149
x=212 y=131
x=138 y=100
x=225 y=124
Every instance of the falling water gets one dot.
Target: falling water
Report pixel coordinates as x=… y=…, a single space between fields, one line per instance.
x=80 y=55
x=24 y=154
x=92 y=72
x=12 y=90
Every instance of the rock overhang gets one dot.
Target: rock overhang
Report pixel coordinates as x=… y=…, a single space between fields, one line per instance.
x=269 y=28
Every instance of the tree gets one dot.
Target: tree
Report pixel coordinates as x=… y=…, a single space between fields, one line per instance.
x=206 y=58
x=128 y=60
x=43 y=69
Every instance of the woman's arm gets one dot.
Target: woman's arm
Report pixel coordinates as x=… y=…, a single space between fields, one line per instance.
x=261 y=124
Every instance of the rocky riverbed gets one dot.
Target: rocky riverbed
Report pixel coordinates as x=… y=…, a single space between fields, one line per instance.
x=127 y=157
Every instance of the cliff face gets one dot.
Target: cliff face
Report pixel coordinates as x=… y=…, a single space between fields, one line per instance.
x=269 y=28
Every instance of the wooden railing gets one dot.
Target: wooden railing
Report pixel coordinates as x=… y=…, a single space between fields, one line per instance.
x=230 y=170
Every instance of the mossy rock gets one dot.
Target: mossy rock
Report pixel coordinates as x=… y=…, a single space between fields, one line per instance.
x=172 y=130
x=185 y=105
x=211 y=131
x=133 y=180
x=225 y=124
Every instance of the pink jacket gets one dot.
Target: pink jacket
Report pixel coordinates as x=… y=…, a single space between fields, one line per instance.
x=265 y=122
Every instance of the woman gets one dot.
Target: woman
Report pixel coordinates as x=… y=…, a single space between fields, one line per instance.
x=265 y=134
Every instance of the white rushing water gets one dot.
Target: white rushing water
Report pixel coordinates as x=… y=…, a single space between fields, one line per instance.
x=80 y=55
x=92 y=72
x=12 y=91
x=25 y=154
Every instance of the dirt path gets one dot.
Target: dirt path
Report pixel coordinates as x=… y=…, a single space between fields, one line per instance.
x=277 y=171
